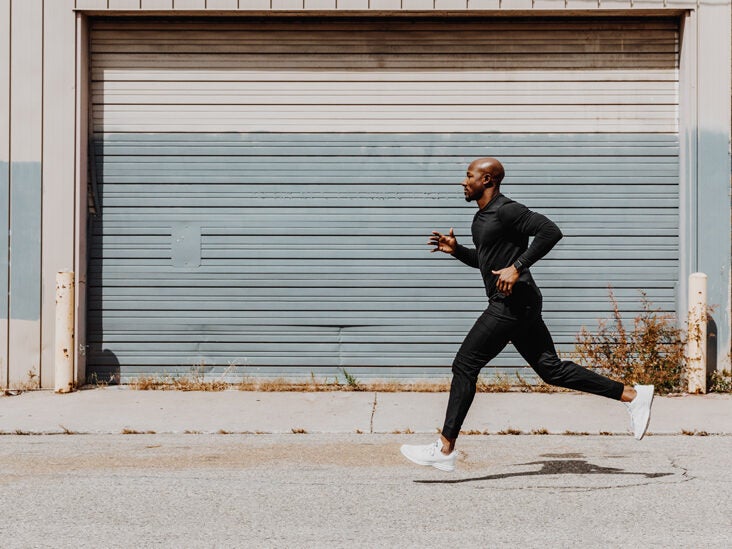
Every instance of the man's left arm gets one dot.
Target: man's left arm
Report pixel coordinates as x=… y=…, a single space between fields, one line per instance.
x=545 y=232
x=522 y=220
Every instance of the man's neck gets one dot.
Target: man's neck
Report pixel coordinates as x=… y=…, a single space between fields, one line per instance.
x=488 y=195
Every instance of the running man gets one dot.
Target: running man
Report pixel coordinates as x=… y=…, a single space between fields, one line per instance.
x=501 y=230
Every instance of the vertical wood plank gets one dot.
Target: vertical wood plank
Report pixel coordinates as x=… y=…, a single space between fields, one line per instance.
x=517 y=4
x=81 y=178
x=687 y=158
x=353 y=4
x=287 y=5
x=58 y=164
x=254 y=5
x=387 y=5
x=713 y=168
x=81 y=142
x=222 y=4
x=91 y=4
x=190 y=4
x=452 y=4
x=26 y=76
x=162 y=5
x=545 y=4
x=583 y=4
x=124 y=4
x=484 y=4
x=320 y=4
x=418 y=4
x=4 y=183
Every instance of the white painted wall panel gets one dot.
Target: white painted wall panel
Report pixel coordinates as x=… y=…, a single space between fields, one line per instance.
x=381 y=5
x=91 y=4
x=484 y=4
x=26 y=109
x=353 y=4
x=127 y=4
x=4 y=81
x=158 y=4
x=450 y=4
x=585 y=4
x=289 y=5
x=254 y=5
x=81 y=161
x=4 y=182
x=222 y=4
x=59 y=103
x=320 y=4
x=713 y=146
x=190 y=4
x=418 y=4
x=518 y=4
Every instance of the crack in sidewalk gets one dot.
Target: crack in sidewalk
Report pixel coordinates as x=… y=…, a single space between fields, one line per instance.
x=373 y=411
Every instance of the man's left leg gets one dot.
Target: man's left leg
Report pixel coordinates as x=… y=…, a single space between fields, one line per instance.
x=534 y=343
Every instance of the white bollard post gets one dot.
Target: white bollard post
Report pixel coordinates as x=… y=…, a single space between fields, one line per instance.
x=64 y=374
x=697 y=344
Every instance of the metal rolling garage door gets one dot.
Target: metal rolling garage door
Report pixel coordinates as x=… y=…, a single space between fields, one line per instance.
x=266 y=187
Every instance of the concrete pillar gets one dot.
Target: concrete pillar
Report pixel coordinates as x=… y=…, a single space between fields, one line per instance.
x=697 y=344
x=64 y=371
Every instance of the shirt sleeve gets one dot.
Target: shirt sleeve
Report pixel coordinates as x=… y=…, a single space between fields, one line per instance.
x=522 y=220
x=469 y=256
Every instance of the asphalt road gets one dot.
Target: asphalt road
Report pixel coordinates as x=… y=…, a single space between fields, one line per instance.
x=309 y=490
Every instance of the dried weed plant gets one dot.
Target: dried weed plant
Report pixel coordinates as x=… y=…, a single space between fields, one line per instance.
x=721 y=381
x=651 y=352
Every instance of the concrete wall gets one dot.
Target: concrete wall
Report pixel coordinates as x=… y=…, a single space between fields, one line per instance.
x=37 y=135
x=43 y=138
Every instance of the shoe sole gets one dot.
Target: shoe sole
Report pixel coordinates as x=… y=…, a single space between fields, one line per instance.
x=441 y=466
x=648 y=419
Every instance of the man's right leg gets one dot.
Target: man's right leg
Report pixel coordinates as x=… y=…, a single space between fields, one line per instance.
x=488 y=337
x=485 y=340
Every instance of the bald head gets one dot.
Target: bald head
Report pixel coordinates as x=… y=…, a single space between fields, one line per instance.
x=488 y=166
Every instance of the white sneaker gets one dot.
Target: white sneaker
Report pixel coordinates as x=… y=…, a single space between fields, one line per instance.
x=640 y=410
x=430 y=454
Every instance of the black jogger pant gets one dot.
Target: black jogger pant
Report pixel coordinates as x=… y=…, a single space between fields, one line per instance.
x=516 y=319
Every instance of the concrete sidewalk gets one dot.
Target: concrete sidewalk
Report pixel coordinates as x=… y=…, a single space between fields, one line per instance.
x=114 y=409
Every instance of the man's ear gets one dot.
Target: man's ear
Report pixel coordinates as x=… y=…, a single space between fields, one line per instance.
x=487 y=183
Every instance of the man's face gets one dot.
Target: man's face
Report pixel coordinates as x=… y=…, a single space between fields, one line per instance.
x=474 y=184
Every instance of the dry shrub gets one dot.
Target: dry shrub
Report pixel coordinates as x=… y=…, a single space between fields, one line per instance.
x=183 y=383
x=721 y=381
x=652 y=352
x=500 y=383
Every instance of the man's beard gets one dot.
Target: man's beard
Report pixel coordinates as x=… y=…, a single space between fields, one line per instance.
x=470 y=198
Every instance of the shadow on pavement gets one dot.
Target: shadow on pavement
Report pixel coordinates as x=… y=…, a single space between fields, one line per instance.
x=553 y=467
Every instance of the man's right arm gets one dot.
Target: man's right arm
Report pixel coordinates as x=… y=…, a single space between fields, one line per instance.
x=469 y=256
x=447 y=243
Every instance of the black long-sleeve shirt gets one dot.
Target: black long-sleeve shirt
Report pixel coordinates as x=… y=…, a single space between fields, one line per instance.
x=501 y=231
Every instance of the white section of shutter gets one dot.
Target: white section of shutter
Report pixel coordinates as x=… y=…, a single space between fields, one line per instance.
x=543 y=75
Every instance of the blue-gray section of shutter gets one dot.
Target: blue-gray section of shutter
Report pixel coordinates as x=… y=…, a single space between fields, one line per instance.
x=291 y=254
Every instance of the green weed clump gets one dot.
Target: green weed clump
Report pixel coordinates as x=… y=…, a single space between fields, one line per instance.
x=651 y=352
